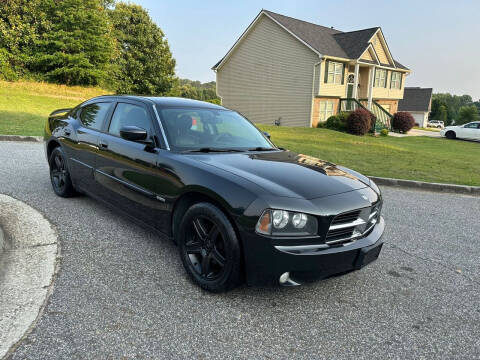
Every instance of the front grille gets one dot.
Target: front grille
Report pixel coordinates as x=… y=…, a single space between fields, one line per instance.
x=352 y=225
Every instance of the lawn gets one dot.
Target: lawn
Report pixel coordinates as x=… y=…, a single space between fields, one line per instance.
x=24 y=106
x=415 y=158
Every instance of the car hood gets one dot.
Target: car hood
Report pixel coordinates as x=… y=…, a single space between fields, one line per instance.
x=285 y=173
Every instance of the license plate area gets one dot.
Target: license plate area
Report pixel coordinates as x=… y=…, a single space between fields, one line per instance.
x=367 y=256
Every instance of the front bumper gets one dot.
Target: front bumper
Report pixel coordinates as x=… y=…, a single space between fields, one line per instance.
x=265 y=262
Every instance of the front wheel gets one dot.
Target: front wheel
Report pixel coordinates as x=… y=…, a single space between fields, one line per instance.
x=450 y=135
x=59 y=175
x=209 y=248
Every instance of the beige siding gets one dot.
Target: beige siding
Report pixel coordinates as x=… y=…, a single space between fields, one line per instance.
x=387 y=93
x=380 y=50
x=327 y=89
x=269 y=75
x=366 y=55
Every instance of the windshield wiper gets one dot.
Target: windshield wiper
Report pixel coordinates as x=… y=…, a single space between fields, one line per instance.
x=209 y=150
x=259 y=148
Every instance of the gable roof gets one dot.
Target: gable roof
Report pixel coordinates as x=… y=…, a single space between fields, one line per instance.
x=416 y=99
x=322 y=40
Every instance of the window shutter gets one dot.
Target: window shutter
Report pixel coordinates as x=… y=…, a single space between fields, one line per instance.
x=401 y=77
x=343 y=74
x=391 y=78
x=386 y=78
x=327 y=64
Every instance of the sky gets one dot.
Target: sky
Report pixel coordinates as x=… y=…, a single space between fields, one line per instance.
x=437 y=40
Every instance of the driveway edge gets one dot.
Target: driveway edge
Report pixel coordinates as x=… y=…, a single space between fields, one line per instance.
x=420 y=185
x=21 y=138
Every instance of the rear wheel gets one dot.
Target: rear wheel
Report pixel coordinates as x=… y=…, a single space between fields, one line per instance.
x=450 y=135
x=209 y=248
x=59 y=175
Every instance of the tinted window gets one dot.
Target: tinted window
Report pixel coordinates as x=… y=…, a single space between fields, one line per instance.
x=190 y=129
x=93 y=115
x=129 y=115
x=471 y=125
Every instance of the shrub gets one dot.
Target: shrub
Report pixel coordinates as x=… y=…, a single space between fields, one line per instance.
x=403 y=121
x=337 y=122
x=359 y=122
x=321 y=125
x=384 y=132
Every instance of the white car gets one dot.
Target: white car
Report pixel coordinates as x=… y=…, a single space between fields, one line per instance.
x=470 y=131
x=436 y=124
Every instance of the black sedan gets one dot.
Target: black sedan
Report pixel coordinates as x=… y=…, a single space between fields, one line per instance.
x=238 y=207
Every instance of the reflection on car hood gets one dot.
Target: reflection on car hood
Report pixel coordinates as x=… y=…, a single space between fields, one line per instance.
x=284 y=173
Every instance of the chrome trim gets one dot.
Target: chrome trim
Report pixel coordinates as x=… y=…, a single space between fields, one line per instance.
x=133 y=187
x=373 y=214
x=161 y=127
x=81 y=163
x=301 y=247
x=347 y=225
x=159 y=198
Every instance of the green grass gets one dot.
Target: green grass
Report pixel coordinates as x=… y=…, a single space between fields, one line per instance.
x=416 y=158
x=25 y=105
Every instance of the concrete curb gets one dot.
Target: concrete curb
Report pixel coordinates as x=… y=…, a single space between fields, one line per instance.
x=28 y=267
x=21 y=138
x=412 y=184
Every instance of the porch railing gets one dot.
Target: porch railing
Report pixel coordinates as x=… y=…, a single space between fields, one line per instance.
x=383 y=117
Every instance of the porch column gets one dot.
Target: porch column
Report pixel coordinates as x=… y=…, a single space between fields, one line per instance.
x=371 y=78
x=355 y=83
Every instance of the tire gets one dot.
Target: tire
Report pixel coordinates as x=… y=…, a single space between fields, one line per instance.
x=209 y=248
x=59 y=175
x=450 y=135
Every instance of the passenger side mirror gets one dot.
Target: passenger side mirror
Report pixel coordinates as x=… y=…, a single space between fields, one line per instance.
x=133 y=133
x=266 y=134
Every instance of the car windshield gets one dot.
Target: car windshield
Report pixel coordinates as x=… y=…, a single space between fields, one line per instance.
x=210 y=130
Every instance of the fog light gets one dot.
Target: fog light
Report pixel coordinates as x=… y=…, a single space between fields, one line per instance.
x=284 y=277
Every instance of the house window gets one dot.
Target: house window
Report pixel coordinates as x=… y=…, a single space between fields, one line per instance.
x=396 y=81
x=380 y=78
x=335 y=72
x=326 y=110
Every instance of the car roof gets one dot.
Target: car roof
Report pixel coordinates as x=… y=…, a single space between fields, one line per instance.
x=165 y=101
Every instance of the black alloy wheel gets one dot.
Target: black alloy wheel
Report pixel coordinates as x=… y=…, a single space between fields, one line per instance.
x=59 y=175
x=209 y=248
x=450 y=135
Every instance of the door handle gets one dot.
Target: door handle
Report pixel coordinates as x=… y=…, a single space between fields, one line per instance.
x=103 y=145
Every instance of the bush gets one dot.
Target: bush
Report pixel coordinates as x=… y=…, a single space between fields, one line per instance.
x=359 y=122
x=403 y=121
x=337 y=122
x=384 y=132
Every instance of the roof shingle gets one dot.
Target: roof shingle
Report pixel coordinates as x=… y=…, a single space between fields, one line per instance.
x=416 y=99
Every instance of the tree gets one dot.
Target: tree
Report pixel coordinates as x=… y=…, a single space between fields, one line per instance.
x=467 y=114
x=442 y=113
x=78 y=48
x=145 y=64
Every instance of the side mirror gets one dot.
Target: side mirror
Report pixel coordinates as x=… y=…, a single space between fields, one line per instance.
x=266 y=134
x=133 y=133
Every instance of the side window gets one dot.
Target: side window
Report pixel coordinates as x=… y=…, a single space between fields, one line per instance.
x=93 y=115
x=129 y=115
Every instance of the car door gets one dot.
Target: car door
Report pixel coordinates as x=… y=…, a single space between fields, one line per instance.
x=83 y=147
x=476 y=132
x=469 y=131
x=126 y=172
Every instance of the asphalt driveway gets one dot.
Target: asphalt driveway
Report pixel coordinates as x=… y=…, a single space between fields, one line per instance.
x=121 y=291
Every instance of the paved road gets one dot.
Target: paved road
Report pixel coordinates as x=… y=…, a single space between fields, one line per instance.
x=122 y=292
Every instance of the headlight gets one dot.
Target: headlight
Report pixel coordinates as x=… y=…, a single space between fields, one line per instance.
x=286 y=223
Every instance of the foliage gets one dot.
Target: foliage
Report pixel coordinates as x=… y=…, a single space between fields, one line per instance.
x=452 y=105
x=359 y=122
x=196 y=90
x=78 y=46
x=145 y=64
x=384 y=132
x=403 y=121
x=467 y=114
x=337 y=122
x=390 y=156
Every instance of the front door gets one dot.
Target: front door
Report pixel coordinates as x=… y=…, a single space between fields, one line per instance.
x=350 y=85
x=126 y=171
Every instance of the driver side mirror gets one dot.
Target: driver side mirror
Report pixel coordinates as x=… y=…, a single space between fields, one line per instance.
x=266 y=134
x=133 y=133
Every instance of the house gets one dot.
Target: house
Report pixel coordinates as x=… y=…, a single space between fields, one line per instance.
x=299 y=73
x=418 y=102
